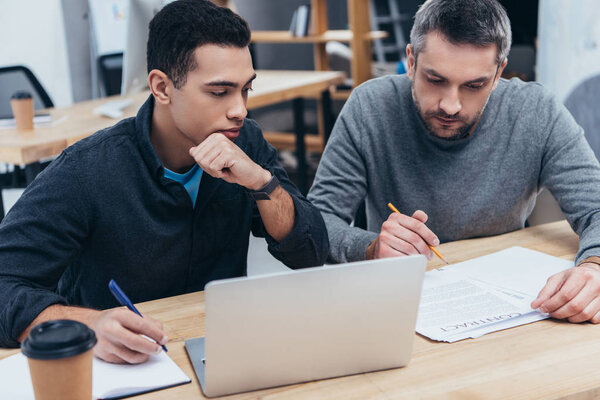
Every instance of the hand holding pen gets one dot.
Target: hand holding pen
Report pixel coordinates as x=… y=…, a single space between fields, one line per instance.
x=122 y=298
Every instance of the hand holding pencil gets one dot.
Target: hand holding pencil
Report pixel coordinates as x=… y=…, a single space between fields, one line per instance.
x=404 y=235
x=437 y=253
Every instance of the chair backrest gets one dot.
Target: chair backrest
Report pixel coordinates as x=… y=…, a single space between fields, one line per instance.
x=16 y=78
x=583 y=102
x=521 y=62
x=111 y=71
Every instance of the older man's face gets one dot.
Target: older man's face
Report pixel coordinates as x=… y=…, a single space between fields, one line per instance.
x=451 y=84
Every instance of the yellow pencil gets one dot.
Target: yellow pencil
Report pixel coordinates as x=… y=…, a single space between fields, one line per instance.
x=437 y=253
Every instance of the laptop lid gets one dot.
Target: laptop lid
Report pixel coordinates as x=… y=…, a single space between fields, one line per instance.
x=315 y=323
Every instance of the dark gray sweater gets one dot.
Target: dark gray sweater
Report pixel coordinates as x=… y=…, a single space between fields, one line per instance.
x=104 y=209
x=485 y=184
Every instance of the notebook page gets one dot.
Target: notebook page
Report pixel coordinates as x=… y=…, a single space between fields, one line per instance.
x=109 y=380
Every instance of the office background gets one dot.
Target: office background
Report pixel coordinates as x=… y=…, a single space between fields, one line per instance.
x=556 y=42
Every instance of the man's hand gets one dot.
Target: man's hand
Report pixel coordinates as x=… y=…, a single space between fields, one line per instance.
x=403 y=235
x=119 y=336
x=221 y=158
x=118 y=331
x=573 y=294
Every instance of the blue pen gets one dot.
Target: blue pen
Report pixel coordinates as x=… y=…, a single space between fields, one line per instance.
x=124 y=300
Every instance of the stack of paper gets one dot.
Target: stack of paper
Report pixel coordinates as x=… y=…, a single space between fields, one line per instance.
x=485 y=294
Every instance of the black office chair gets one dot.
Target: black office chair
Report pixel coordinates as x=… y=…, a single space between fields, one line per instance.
x=12 y=79
x=19 y=77
x=521 y=63
x=111 y=71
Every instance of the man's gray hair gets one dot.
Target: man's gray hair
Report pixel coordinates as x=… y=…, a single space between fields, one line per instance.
x=475 y=22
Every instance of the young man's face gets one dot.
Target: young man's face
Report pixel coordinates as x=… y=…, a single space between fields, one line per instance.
x=214 y=96
x=451 y=84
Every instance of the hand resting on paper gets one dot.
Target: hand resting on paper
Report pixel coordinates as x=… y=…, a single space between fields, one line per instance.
x=118 y=330
x=403 y=235
x=573 y=294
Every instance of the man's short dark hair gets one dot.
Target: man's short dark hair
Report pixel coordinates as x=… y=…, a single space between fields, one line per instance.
x=475 y=22
x=182 y=26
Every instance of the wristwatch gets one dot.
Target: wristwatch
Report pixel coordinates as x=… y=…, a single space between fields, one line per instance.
x=264 y=192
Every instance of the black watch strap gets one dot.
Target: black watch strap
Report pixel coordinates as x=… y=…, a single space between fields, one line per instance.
x=264 y=192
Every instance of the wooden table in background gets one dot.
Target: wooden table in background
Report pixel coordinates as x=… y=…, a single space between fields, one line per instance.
x=545 y=360
x=77 y=121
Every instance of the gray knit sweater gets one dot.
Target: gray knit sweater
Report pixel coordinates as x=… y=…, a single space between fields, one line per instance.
x=483 y=185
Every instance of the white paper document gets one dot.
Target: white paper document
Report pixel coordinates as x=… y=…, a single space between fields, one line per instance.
x=39 y=121
x=485 y=294
x=108 y=380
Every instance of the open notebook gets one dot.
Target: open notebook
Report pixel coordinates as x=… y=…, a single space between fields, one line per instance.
x=110 y=381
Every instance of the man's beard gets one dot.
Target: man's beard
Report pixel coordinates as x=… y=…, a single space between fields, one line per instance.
x=460 y=133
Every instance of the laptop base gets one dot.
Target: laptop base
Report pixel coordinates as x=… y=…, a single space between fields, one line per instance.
x=196 y=353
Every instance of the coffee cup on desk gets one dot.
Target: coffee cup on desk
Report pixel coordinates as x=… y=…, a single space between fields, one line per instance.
x=21 y=103
x=60 y=356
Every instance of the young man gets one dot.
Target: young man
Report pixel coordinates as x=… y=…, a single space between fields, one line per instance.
x=163 y=202
x=468 y=148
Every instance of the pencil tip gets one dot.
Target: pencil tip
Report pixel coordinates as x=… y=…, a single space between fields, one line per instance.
x=447 y=263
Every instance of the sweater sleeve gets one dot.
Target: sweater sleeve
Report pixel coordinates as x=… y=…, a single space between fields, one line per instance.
x=571 y=172
x=341 y=185
x=39 y=238
x=307 y=244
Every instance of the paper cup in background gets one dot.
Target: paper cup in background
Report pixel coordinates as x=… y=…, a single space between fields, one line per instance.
x=21 y=103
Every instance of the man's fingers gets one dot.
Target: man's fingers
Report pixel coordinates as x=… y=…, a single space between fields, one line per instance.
x=420 y=215
x=135 y=342
x=595 y=319
x=553 y=284
x=209 y=145
x=400 y=246
x=416 y=241
x=568 y=289
x=216 y=157
x=576 y=305
x=118 y=335
x=220 y=163
x=143 y=326
x=417 y=227
x=119 y=354
x=587 y=313
x=102 y=354
x=206 y=159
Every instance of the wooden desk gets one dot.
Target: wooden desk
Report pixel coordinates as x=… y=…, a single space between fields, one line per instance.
x=544 y=360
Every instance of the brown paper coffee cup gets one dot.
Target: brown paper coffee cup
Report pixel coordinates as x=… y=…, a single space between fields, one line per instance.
x=60 y=360
x=22 y=108
x=65 y=378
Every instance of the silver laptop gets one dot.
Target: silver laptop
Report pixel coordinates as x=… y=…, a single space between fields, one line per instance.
x=315 y=323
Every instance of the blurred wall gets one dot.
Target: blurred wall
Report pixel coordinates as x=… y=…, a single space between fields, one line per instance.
x=568 y=43
x=33 y=35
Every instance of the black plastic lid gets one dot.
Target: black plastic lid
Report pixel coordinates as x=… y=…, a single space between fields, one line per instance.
x=21 y=94
x=58 y=339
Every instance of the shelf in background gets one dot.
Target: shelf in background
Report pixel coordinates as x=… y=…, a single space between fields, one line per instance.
x=287 y=141
x=328 y=36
